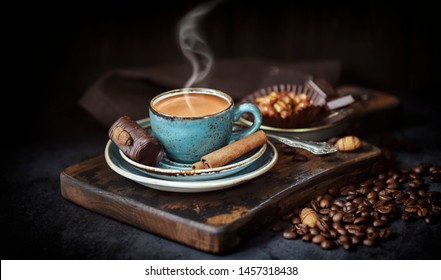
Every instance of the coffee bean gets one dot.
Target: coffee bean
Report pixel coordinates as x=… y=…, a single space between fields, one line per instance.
x=356 y=240
x=411 y=209
x=327 y=244
x=422 y=192
x=342 y=231
x=372 y=235
x=332 y=213
x=288 y=234
x=369 y=242
x=403 y=179
x=406 y=216
x=391 y=181
x=338 y=216
x=301 y=229
x=428 y=219
x=422 y=212
x=346 y=245
x=370 y=229
x=379 y=223
x=307 y=237
x=348 y=218
x=394 y=185
x=418 y=170
x=358 y=200
x=385 y=233
x=351 y=197
x=340 y=203
x=325 y=211
x=435 y=169
x=405 y=170
x=314 y=231
x=326 y=218
x=384 y=209
x=435 y=208
x=414 y=176
x=360 y=220
x=410 y=201
x=325 y=234
x=367 y=183
x=343 y=239
x=344 y=191
x=295 y=220
x=398 y=195
x=322 y=225
x=333 y=233
x=384 y=218
x=315 y=205
x=416 y=183
x=385 y=198
x=350 y=208
x=353 y=229
x=317 y=239
x=325 y=203
x=336 y=225
x=378 y=187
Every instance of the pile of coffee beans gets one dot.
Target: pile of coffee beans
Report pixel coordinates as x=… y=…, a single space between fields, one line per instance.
x=361 y=214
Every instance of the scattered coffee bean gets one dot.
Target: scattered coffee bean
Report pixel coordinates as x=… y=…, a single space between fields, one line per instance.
x=422 y=212
x=360 y=213
x=322 y=225
x=317 y=239
x=369 y=242
x=385 y=233
x=327 y=244
x=307 y=237
x=288 y=234
x=315 y=205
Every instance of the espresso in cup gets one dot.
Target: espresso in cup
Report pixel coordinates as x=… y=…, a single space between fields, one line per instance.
x=193 y=122
x=192 y=105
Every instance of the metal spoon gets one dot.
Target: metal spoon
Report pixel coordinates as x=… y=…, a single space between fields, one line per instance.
x=317 y=148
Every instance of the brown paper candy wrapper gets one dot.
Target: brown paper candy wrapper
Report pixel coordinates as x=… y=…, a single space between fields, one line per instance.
x=300 y=119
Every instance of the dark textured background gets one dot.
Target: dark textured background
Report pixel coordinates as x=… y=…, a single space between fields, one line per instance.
x=55 y=53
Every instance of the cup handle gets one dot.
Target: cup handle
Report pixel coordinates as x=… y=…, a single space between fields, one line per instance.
x=239 y=111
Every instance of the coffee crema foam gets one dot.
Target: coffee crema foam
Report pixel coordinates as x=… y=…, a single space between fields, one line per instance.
x=191 y=105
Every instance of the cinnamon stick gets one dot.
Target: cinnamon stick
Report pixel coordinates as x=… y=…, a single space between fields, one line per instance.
x=232 y=151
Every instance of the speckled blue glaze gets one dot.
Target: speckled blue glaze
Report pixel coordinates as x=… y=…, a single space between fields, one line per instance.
x=187 y=139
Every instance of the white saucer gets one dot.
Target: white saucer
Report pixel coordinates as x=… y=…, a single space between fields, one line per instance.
x=258 y=167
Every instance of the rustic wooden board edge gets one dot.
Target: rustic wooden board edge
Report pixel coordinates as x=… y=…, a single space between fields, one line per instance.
x=203 y=237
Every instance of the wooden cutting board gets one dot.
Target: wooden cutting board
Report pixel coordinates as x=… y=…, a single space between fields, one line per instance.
x=215 y=221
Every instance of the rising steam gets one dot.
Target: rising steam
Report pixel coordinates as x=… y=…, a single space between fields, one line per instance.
x=192 y=44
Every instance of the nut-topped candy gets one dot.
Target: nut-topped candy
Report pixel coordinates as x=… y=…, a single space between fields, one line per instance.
x=134 y=141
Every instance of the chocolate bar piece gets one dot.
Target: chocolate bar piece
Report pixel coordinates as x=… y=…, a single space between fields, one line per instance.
x=134 y=141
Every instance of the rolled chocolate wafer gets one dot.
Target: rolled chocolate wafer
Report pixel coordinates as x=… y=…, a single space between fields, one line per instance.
x=232 y=151
x=134 y=141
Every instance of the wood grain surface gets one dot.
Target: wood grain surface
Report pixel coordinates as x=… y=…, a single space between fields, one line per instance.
x=216 y=221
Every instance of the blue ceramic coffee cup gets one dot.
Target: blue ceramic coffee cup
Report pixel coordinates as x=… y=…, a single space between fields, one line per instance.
x=187 y=137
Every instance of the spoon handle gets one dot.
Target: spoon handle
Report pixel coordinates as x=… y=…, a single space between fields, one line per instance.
x=317 y=148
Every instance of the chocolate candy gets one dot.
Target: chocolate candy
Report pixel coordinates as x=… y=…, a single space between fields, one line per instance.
x=134 y=141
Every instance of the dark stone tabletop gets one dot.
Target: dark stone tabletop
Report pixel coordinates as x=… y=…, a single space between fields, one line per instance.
x=38 y=223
